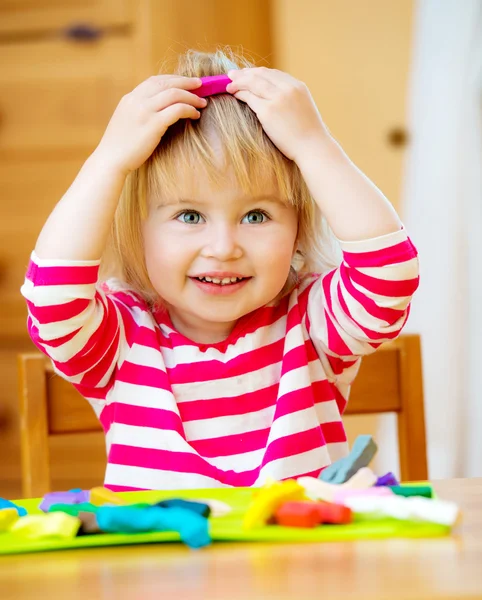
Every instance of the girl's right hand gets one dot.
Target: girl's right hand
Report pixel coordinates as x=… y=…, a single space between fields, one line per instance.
x=143 y=116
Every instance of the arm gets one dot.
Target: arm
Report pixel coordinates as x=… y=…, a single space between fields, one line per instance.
x=364 y=302
x=353 y=206
x=79 y=225
x=71 y=319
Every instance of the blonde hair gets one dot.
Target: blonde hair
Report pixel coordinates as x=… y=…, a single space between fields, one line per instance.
x=254 y=159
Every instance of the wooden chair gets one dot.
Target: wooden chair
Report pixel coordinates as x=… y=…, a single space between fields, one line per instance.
x=388 y=381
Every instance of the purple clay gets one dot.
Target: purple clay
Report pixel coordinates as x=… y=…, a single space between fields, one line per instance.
x=388 y=479
x=63 y=498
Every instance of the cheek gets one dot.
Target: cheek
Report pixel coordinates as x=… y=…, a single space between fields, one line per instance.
x=277 y=248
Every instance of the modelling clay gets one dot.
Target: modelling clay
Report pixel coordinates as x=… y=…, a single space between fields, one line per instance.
x=398 y=507
x=388 y=479
x=317 y=489
x=218 y=508
x=297 y=514
x=268 y=499
x=362 y=452
x=193 y=529
x=342 y=495
x=101 y=495
x=74 y=509
x=7 y=504
x=49 y=525
x=8 y=516
x=335 y=514
x=412 y=490
x=212 y=85
x=197 y=507
x=63 y=498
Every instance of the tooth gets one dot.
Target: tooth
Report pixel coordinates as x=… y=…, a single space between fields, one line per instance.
x=208 y=278
x=226 y=280
x=234 y=279
x=214 y=280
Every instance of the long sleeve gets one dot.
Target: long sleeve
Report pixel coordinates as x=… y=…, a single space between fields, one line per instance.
x=73 y=321
x=365 y=302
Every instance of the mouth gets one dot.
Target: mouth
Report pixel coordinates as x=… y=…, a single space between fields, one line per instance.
x=221 y=281
x=223 y=285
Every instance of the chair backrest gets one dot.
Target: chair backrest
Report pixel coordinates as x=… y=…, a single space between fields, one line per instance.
x=389 y=380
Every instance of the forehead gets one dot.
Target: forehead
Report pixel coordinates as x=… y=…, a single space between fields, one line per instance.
x=196 y=184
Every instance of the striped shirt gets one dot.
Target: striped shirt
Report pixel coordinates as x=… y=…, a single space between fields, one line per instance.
x=265 y=402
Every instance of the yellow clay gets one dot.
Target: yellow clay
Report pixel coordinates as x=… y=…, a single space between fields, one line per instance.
x=56 y=524
x=8 y=516
x=268 y=499
x=101 y=495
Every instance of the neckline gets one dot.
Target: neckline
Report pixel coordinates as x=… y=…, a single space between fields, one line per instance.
x=163 y=317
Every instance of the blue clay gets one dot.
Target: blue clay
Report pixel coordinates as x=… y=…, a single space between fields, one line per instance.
x=7 y=504
x=197 y=507
x=362 y=452
x=193 y=529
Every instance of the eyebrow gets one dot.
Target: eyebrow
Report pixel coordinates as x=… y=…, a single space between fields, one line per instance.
x=253 y=199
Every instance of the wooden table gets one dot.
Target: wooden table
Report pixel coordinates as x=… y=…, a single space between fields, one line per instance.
x=448 y=568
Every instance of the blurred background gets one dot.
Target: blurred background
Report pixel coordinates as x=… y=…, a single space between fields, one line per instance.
x=398 y=83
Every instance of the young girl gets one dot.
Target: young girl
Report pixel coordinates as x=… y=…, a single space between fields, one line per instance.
x=225 y=353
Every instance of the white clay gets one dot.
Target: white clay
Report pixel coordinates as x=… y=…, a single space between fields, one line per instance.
x=406 y=509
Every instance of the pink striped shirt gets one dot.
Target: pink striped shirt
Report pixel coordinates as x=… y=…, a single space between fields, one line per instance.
x=266 y=402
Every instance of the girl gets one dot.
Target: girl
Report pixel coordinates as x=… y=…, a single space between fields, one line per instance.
x=225 y=352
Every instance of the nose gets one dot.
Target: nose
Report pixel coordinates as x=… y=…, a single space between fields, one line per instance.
x=222 y=243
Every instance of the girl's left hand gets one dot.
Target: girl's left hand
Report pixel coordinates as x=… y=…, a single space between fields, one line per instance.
x=284 y=107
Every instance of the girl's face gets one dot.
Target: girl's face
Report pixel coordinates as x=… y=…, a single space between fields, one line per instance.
x=214 y=256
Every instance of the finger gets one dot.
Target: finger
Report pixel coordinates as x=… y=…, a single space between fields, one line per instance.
x=255 y=82
x=155 y=84
x=172 y=96
x=254 y=102
x=173 y=113
x=279 y=79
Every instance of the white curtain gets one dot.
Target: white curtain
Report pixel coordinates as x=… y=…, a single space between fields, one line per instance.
x=442 y=209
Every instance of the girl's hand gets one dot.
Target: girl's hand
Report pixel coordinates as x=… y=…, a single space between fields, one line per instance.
x=143 y=116
x=284 y=107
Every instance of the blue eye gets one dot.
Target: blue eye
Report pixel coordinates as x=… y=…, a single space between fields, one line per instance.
x=255 y=216
x=190 y=217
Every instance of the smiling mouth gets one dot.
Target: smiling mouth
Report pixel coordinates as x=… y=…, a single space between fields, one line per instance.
x=221 y=282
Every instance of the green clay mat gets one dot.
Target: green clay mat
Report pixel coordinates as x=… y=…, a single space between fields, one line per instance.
x=227 y=528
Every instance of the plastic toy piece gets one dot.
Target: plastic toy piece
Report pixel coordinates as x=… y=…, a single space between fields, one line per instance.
x=8 y=516
x=50 y=525
x=297 y=514
x=269 y=499
x=74 y=509
x=388 y=479
x=212 y=85
x=193 y=529
x=321 y=490
x=412 y=509
x=412 y=490
x=63 y=498
x=101 y=495
x=335 y=514
x=342 y=495
x=197 y=507
x=362 y=452
x=7 y=504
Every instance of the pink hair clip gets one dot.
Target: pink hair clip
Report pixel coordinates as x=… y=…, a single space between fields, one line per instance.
x=214 y=84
